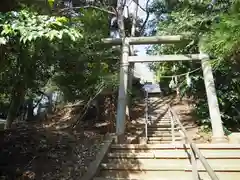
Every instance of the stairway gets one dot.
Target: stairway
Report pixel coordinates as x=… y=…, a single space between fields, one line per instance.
x=168 y=162
x=160 y=132
x=159 y=127
x=163 y=159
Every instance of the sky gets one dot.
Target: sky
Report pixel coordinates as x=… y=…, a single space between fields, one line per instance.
x=141 y=69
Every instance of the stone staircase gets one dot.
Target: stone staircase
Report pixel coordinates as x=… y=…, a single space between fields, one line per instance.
x=159 y=127
x=168 y=162
x=160 y=132
x=163 y=159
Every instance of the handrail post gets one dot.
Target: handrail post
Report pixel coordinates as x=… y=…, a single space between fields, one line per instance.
x=194 y=165
x=172 y=127
x=210 y=171
x=146 y=116
x=183 y=136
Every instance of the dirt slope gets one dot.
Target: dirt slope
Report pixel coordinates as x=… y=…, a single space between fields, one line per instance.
x=41 y=151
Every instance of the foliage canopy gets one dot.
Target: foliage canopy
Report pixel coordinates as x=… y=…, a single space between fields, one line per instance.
x=214 y=27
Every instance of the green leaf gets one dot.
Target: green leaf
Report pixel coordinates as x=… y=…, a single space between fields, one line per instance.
x=51 y=2
x=60 y=34
x=6 y=30
x=62 y=19
x=72 y=37
x=3 y=40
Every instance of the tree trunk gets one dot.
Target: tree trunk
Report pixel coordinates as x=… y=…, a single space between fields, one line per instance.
x=50 y=103
x=16 y=100
x=30 y=110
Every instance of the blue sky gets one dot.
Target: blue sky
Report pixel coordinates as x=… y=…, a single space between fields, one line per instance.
x=141 y=69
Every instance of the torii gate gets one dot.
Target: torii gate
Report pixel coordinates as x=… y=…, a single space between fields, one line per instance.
x=216 y=122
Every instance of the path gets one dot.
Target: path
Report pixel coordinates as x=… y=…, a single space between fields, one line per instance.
x=163 y=159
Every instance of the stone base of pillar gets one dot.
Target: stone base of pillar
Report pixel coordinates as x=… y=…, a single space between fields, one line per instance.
x=218 y=140
x=142 y=140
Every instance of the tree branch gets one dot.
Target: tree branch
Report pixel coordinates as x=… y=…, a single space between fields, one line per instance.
x=87 y=7
x=79 y=117
x=148 y=14
x=120 y=9
x=144 y=9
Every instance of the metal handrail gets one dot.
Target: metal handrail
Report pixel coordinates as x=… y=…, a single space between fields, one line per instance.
x=195 y=150
x=146 y=116
x=172 y=128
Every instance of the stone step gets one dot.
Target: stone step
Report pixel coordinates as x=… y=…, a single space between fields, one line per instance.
x=154 y=128
x=159 y=116
x=160 y=123
x=185 y=124
x=160 y=142
x=157 y=119
x=164 y=138
x=142 y=120
x=134 y=161
x=163 y=114
x=163 y=121
x=156 y=122
x=153 y=132
x=169 y=167
x=153 y=125
x=163 y=175
x=167 y=134
x=157 y=135
x=144 y=147
x=175 y=154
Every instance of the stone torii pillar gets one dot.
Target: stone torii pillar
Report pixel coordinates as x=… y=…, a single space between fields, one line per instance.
x=218 y=135
x=122 y=92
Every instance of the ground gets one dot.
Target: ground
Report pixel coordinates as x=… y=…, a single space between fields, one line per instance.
x=47 y=155
x=47 y=152
x=186 y=114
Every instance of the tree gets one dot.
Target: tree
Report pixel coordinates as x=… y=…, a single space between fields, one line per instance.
x=27 y=37
x=41 y=46
x=215 y=25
